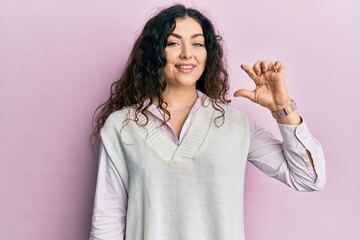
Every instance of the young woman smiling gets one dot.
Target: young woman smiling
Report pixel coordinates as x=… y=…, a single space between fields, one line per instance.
x=173 y=152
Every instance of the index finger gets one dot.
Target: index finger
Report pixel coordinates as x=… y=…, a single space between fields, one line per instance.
x=249 y=71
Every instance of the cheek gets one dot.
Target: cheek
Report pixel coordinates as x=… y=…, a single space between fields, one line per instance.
x=170 y=55
x=166 y=53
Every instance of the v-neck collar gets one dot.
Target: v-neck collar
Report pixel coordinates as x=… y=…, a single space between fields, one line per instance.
x=191 y=143
x=158 y=119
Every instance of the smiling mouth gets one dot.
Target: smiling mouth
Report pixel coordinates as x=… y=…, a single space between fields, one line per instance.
x=184 y=66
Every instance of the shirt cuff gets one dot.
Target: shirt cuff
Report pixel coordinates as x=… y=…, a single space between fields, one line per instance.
x=293 y=135
x=297 y=136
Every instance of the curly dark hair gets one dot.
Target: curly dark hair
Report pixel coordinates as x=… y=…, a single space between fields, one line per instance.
x=142 y=78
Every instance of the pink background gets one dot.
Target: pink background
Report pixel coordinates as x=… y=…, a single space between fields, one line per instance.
x=58 y=59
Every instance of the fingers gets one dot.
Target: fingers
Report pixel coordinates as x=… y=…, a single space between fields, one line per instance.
x=249 y=71
x=257 y=68
x=245 y=93
x=264 y=66
x=278 y=66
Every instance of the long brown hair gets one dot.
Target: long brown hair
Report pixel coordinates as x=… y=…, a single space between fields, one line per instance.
x=142 y=78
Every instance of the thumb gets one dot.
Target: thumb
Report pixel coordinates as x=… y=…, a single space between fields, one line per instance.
x=245 y=93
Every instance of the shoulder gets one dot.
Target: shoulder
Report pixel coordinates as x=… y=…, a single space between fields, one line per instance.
x=116 y=117
x=231 y=123
x=233 y=112
x=236 y=117
x=228 y=115
x=116 y=120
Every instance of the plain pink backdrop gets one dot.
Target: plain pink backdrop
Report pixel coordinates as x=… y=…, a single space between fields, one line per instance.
x=58 y=59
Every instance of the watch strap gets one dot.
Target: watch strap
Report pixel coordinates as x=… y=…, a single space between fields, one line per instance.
x=284 y=112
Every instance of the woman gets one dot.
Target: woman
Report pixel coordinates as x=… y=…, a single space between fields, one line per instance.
x=173 y=152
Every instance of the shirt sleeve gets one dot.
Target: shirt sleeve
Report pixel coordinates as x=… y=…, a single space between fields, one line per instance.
x=288 y=161
x=109 y=214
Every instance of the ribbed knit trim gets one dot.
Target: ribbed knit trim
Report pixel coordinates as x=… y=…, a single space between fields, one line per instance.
x=191 y=143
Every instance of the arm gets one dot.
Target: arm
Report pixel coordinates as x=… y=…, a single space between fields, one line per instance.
x=271 y=92
x=109 y=215
x=288 y=161
x=294 y=119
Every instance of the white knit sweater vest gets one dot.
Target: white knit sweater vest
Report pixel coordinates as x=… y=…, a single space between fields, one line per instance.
x=193 y=191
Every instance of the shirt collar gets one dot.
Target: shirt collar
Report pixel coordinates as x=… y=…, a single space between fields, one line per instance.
x=156 y=111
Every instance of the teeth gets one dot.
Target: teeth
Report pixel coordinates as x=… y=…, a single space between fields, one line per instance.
x=187 y=67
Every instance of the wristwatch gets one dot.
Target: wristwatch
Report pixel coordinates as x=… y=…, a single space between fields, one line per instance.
x=284 y=112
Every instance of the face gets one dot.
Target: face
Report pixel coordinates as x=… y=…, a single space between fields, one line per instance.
x=185 y=54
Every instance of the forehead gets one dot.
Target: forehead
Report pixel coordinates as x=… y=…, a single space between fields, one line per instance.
x=187 y=26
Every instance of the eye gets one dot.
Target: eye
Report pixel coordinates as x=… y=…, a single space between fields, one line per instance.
x=198 y=45
x=172 y=44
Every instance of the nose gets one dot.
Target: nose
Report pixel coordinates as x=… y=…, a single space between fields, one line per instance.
x=186 y=52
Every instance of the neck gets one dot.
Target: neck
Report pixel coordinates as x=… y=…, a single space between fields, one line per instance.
x=179 y=98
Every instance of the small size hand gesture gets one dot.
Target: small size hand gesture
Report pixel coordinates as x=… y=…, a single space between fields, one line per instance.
x=270 y=91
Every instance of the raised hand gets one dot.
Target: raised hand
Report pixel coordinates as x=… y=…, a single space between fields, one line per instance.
x=270 y=90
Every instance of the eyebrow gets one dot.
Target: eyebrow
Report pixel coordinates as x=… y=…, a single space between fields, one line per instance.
x=192 y=36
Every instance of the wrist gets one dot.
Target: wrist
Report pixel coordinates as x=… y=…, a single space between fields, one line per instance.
x=287 y=114
x=282 y=106
x=291 y=119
